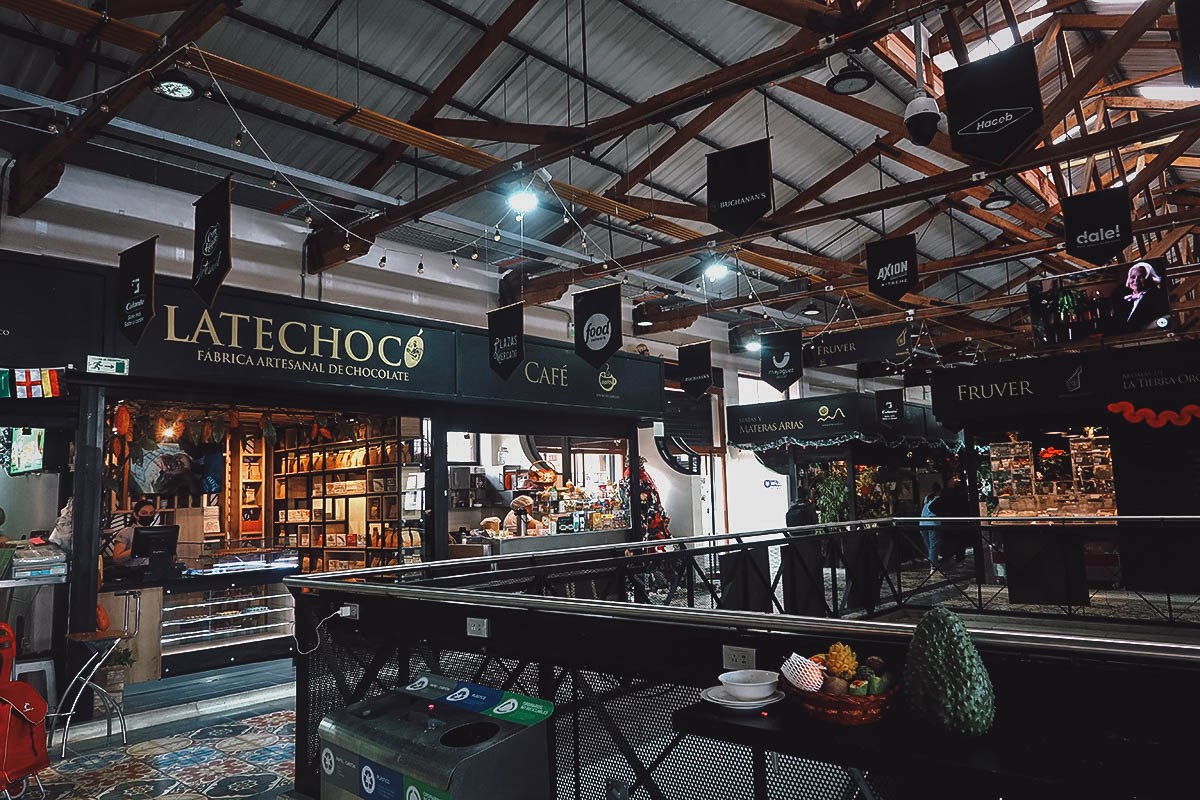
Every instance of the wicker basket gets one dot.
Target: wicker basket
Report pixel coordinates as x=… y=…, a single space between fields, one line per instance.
x=842 y=709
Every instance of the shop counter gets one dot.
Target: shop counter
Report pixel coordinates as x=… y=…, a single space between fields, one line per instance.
x=205 y=619
x=558 y=541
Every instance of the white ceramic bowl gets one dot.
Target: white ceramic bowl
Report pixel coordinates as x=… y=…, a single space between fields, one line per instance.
x=750 y=684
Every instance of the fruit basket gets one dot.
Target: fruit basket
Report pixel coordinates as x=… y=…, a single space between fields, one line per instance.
x=833 y=687
x=842 y=709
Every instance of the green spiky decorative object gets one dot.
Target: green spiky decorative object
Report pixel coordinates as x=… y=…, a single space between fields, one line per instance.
x=945 y=681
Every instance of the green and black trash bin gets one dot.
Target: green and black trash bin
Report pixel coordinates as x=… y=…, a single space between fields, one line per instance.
x=438 y=739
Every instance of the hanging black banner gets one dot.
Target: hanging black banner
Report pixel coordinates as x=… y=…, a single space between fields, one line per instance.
x=1188 y=15
x=885 y=343
x=695 y=368
x=1098 y=224
x=506 y=339
x=740 y=186
x=780 y=358
x=892 y=267
x=135 y=289
x=889 y=407
x=995 y=104
x=211 y=258
x=598 y=324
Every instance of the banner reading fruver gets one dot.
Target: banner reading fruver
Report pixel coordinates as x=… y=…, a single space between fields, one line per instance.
x=135 y=289
x=695 y=368
x=211 y=257
x=740 y=186
x=506 y=339
x=859 y=345
x=994 y=105
x=892 y=267
x=781 y=361
x=1098 y=224
x=598 y=323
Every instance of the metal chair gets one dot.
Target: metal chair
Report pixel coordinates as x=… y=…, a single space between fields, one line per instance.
x=35 y=666
x=102 y=644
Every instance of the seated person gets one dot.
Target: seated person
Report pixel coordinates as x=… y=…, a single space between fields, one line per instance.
x=144 y=514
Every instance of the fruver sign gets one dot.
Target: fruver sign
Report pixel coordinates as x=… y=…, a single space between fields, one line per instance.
x=780 y=357
x=211 y=256
x=889 y=407
x=994 y=105
x=598 y=323
x=135 y=289
x=506 y=338
x=859 y=345
x=1098 y=224
x=1188 y=15
x=695 y=368
x=740 y=186
x=892 y=267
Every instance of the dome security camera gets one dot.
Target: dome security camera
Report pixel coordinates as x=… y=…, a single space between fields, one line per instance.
x=922 y=118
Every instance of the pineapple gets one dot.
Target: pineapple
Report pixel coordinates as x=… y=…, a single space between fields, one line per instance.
x=841 y=661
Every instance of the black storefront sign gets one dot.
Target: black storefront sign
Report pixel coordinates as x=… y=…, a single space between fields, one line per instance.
x=1188 y=15
x=695 y=368
x=809 y=419
x=889 y=408
x=552 y=374
x=253 y=339
x=598 y=324
x=688 y=420
x=135 y=289
x=892 y=267
x=506 y=339
x=994 y=105
x=1098 y=224
x=740 y=186
x=1007 y=390
x=780 y=358
x=858 y=345
x=211 y=258
x=50 y=315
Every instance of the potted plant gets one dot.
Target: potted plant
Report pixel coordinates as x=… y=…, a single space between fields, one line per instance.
x=111 y=678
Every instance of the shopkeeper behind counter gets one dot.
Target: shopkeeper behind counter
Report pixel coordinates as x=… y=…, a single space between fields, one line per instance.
x=520 y=508
x=144 y=512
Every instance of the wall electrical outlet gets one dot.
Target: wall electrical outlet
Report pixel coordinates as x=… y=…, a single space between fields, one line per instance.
x=477 y=627
x=737 y=657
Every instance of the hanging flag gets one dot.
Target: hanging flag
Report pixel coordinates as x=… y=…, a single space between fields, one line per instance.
x=1098 y=225
x=135 y=289
x=506 y=339
x=892 y=267
x=740 y=186
x=781 y=358
x=860 y=345
x=27 y=383
x=994 y=105
x=598 y=323
x=889 y=407
x=211 y=259
x=52 y=384
x=1188 y=15
x=5 y=383
x=695 y=368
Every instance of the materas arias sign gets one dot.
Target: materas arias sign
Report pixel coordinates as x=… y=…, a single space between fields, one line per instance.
x=740 y=186
x=1098 y=225
x=994 y=105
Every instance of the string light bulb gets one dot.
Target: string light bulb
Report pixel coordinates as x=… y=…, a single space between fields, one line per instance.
x=346 y=244
x=474 y=253
x=566 y=219
x=308 y=218
x=382 y=262
x=52 y=127
x=454 y=263
x=237 y=140
x=519 y=217
x=421 y=267
x=496 y=235
x=274 y=183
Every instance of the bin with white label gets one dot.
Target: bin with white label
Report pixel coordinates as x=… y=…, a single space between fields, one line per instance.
x=437 y=739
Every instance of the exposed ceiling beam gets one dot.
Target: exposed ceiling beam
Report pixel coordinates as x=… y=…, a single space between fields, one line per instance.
x=488 y=131
x=801 y=13
x=123 y=9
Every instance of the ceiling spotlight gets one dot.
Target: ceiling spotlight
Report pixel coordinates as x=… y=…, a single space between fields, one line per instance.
x=811 y=310
x=639 y=316
x=474 y=254
x=716 y=270
x=999 y=199
x=851 y=79
x=454 y=263
x=420 y=267
x=174 y=85
x=754 y=345
x=496 y=235
x=522 y=201
x=237 y=140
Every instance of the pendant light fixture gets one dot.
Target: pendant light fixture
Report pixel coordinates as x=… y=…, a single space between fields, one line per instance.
x=811 y=310
x=999 y=199
x=850 y=79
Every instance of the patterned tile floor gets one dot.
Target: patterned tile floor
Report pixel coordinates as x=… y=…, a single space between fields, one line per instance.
x=250 y=758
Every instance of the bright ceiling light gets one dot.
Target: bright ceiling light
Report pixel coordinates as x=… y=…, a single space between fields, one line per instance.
x=522 y=201
x=716 y=270
x=999 y=199
x=174 y=85
x=811 y=310
x=754 y=346
x=851 y=79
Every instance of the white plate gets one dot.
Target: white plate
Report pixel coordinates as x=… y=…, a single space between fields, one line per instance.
x=721 y=697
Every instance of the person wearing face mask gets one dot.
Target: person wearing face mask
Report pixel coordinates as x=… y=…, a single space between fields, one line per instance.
x=144 y=514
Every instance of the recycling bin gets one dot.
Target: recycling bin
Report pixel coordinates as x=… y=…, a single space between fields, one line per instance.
x=437 y=739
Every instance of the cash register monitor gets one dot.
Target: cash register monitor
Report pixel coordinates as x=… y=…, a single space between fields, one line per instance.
x=157 y=544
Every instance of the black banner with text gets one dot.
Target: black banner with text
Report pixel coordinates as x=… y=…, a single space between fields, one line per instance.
x=506 y=339
x=858 y=345
x=695 y=368
x=1188 y=15
x=740 y=186
x=135 y=289
x=780 y=358
x=994 y=105
x=1098 y=224
x=889 y=408
x=809 y=419
x=892 y=267
x=211 y=256
x=598 y=323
